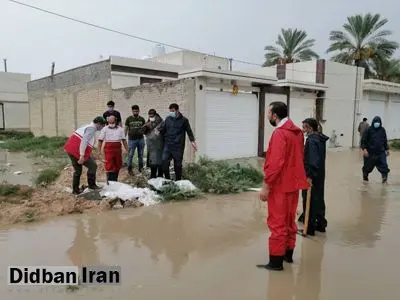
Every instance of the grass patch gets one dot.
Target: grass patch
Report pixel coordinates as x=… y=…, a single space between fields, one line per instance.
x=47 y=176
x=15 y=190
x=395 y=144
x=15 y=135
x=221 y=177
x=30 y=216
x=38 y=146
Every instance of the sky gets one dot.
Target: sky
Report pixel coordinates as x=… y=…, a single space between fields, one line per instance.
x=32 y=40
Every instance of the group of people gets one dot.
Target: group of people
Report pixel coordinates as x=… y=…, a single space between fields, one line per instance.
x=292 y=166
x=165 y=141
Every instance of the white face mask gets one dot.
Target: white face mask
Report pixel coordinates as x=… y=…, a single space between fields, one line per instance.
x=111 y=125
x=152 y=119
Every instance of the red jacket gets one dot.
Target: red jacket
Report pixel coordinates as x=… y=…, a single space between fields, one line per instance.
x=284 y=165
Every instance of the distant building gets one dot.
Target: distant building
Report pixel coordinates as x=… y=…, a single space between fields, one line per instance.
x=14 y=105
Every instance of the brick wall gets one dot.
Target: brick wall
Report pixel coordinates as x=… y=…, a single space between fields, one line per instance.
x=159 y=96
x=60 y=104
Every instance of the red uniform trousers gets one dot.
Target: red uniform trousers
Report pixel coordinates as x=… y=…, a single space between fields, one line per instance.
x=281 y=221
x=113 y=157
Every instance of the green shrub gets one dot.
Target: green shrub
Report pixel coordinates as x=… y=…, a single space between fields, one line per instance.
x=47 y=176
x=221 y=177
x=395 y=144
x=15 y=135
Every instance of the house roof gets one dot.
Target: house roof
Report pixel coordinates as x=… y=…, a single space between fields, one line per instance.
x=302 y=84
x=229 y=75
x=381 y=86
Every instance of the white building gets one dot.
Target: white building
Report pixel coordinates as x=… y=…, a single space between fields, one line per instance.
x=14 y=105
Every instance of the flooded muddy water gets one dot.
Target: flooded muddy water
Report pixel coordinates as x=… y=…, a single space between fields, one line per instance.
x=209 y=248
x=16 y=168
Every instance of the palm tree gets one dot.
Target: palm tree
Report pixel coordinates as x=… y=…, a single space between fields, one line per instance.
x=293 y=46
x=362 y=41
x=387 y=69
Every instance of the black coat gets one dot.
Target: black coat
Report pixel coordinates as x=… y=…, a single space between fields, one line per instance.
x=174 y=131
x=315 y=155
x=375 y=139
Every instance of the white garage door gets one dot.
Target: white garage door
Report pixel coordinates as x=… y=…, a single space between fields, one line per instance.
x=231 y=125
x=302 y=106
x=376 y=108
x=393 y=124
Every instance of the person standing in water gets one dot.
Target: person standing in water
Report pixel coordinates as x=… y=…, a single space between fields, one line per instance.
x=314 y=165
x=284 y=177
x=374 y=145
x=362 y=127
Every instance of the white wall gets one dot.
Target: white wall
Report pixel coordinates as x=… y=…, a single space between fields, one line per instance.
x=14 y=97
x=302 y=106
x=192 y=59
x=121 y=80
x=16 y=116
x=266 y=71
x=302 y=71
x=339 y=101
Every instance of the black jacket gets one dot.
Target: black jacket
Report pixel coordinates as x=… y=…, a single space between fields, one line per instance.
x=174 y=131
x=375 y=139
x=315 y=155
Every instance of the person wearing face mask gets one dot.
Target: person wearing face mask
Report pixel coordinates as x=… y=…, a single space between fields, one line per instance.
x=154 y=144
x=79 y=149
x=112 y=112
x=314 y=165
x=134 y=130
x=113 y=137
x=174 y=130
x=284 y=177
x=374 y=145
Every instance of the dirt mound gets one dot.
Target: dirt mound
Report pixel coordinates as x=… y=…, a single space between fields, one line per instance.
x=25 y=204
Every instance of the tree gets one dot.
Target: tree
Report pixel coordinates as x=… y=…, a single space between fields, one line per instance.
x=362 y=41
x=292 y=46
x=387 y=69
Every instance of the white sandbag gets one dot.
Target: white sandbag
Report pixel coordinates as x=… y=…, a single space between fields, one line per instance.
x=127 y=192
x=157 y=183
x=186 y=185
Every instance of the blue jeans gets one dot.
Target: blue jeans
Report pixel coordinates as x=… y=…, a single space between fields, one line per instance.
x=133 y=144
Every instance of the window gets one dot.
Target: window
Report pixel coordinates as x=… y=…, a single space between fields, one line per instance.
x=144 y=80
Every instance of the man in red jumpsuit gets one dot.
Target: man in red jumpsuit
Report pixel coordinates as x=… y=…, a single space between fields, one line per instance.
x=112 y=136
x=284 y=177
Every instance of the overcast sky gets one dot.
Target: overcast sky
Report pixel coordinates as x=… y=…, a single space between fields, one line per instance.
x=31 y=40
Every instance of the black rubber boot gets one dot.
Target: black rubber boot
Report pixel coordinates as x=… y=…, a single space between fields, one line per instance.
x=288 y=256
x=75 y=185
x=160 y=171
x=321 y=225
x=384 y=179
x=275 y=264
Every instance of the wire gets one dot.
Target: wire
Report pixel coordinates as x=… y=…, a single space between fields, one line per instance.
x=154 y=41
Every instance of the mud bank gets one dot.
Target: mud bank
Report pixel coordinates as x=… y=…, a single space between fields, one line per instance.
x=36 y=204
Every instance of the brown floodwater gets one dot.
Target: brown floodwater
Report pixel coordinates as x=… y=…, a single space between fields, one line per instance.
x=209 y=248
x=16 y=168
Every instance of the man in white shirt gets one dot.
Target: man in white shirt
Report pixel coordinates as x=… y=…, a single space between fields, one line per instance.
x=112 y=137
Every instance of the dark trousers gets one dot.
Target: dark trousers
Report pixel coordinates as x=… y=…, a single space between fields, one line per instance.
x=156 y=171
x=317 y=204
x=112 y=176
x=379 y=161
x=90 y=164
x=175 y=154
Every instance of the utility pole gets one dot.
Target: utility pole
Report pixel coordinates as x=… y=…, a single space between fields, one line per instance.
x=5 y=64
x=53 y=64
x=230 y=64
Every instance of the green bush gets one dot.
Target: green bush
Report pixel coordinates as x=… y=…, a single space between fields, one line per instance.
x=395 y=144
x=47 y=176
x=221 y=177
x=15 y=135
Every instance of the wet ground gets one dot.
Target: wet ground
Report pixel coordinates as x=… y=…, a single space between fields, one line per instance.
x=208 y=249
x=16 y=168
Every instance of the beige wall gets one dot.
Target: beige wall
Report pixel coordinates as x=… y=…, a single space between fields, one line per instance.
x=71 y=99
x=159 y=96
